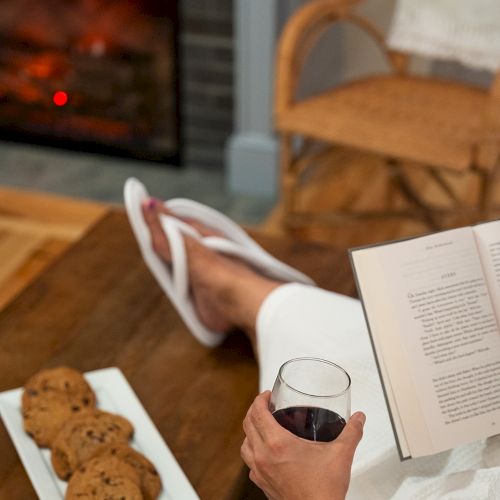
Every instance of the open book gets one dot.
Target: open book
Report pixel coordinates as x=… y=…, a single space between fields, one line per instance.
x=432 y=304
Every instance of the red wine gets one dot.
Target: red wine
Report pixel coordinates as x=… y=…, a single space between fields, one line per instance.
x=315 y=424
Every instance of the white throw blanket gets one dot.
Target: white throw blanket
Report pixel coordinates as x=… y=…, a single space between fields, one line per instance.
x=467 y=31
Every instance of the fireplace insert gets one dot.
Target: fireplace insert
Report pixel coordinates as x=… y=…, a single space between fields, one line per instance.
x=98 y=75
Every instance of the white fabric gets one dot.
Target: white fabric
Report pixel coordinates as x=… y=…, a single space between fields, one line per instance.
x=297 y=320
x=174 y=279
x=467 y=31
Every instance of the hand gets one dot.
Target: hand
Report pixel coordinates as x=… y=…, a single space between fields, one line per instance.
x=287 y=467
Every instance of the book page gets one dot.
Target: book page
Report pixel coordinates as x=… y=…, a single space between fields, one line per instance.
x=372 y=283
x=488 y=243
x=447 y=340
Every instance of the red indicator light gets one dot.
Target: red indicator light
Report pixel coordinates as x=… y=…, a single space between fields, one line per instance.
x=60 y=98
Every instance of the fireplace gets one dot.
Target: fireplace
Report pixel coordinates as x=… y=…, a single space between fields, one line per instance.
x=98 y=75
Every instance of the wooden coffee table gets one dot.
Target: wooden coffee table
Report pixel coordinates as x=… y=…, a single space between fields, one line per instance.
x=98 y=306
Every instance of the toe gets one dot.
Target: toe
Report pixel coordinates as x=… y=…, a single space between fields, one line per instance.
x=152 y=208
x=158 y=238
x=201 y=228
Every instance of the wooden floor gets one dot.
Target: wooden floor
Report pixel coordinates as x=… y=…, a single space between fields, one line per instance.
x=353 y=180
x=35 y=229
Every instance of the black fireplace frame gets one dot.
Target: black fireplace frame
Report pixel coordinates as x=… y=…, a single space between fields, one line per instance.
x=173 y=158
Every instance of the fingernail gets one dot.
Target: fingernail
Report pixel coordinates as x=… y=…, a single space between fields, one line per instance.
x=151 y=204
x=360 y=417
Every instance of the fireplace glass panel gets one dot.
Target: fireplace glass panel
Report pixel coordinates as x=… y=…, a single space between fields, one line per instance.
x=99 y=74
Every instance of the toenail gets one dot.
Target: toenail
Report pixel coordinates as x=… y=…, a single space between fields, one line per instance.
x=151 y=204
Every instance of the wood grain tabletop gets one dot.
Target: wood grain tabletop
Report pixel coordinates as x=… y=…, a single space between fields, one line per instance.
x=98 y=306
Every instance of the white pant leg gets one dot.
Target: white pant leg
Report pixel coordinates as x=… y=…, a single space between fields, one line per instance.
x=297 y=320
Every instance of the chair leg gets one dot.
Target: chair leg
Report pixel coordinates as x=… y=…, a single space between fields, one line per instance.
x=446 y=188
x=406 y=188
x=486 y=192
x=288 y=180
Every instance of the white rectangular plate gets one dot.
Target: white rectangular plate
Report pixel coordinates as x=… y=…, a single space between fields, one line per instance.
x=115 y=395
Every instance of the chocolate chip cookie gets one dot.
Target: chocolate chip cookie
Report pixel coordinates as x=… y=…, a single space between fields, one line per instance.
x=61 y=382
x=50 y=398
x=82 y=435
x=44 y=420
x=150 y=481
x=104 y=478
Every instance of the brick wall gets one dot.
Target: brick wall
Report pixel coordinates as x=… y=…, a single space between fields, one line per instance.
x=206 y=66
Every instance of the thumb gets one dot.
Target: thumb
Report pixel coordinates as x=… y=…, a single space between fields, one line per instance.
x=353 y=431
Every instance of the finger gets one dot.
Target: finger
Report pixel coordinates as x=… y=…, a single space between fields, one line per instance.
x=249 y=412
x=253 y=477
x=249 y=426
x=259 y=481
x=158 y=238
x=251 y=432
x=352 y=433
x=262 y=419
x=247 y=454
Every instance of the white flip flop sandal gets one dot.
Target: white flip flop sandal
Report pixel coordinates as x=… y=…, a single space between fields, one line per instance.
x=174 y=279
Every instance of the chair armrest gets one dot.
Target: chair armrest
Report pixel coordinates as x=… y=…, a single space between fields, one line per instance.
x=301 y=33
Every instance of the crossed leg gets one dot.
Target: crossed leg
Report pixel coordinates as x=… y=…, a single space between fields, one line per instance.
x=226 y=292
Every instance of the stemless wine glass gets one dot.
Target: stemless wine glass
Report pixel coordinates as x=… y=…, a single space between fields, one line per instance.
x=312 y=398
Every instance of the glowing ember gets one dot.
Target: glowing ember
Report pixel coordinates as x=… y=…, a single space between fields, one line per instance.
x=60 y=98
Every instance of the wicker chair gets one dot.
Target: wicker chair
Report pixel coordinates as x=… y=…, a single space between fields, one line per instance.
x=434 y=123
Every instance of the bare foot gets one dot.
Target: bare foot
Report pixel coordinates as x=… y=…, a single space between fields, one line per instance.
x=226 y=292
